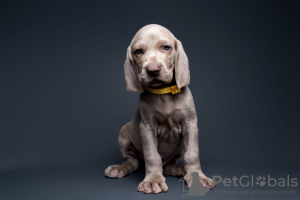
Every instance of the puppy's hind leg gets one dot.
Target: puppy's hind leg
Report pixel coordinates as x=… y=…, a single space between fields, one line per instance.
x=172 y=168
x=130 y=162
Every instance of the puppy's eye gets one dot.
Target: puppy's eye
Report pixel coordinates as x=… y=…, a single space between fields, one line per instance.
x=138 y=51
x=166 y=47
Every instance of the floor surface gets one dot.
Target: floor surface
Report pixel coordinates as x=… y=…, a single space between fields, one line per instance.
x=89 y=183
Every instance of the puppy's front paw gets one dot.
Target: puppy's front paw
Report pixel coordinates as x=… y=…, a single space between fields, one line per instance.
x=203 y=179
x=153 y=184
x=115 y=171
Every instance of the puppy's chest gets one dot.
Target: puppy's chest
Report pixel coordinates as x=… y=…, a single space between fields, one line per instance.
x=169 y=131
x=167 y=121
x=165 y=113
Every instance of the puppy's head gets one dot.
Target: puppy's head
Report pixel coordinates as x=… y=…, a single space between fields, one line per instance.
x=152 y=58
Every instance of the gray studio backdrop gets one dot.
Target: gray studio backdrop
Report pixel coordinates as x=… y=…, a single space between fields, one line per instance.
x=63 y=97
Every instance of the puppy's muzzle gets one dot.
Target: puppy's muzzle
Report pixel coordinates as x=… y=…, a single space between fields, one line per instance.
x=153 y=69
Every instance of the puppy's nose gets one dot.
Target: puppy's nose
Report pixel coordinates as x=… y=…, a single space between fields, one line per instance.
x=153 y=69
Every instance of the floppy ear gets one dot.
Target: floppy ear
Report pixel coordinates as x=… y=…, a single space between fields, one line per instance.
x=182 y=72
x=132 y=83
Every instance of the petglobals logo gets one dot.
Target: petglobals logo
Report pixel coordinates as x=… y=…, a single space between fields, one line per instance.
x=251 y=181
x=244 y=185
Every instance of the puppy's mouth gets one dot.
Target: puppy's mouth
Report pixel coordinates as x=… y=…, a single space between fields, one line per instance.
x=155 y=83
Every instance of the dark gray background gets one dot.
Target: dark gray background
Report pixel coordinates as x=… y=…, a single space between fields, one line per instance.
x=63 y=98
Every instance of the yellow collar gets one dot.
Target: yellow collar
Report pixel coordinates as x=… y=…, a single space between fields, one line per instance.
x=173 y=89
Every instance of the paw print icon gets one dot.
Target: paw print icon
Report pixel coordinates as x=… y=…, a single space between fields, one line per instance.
x=261 y=181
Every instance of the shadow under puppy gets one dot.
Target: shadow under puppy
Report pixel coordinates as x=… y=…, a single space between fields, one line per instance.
x=164 y=127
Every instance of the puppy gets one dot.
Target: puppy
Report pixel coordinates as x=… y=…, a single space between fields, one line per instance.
x=164 y=127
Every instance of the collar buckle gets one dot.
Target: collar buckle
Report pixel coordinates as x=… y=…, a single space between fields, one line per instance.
x=175 y=89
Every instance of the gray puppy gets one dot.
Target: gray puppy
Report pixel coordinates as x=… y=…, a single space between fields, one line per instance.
x=164 y=127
